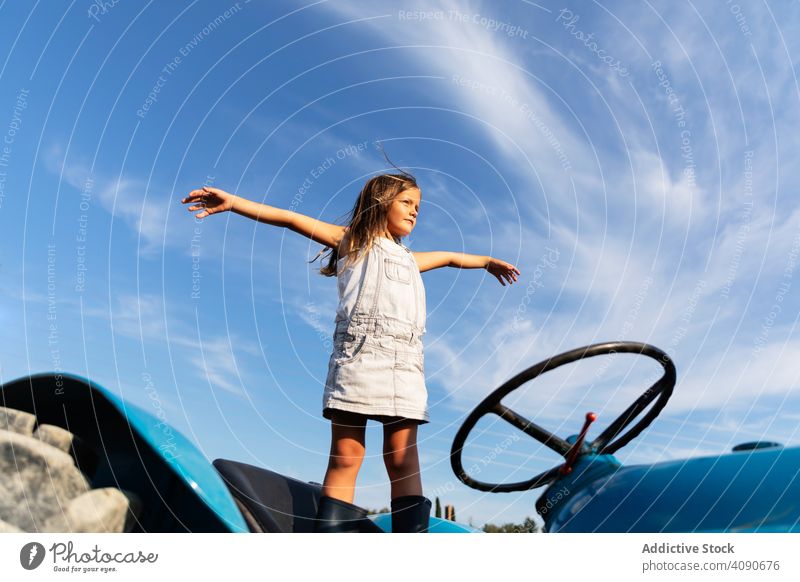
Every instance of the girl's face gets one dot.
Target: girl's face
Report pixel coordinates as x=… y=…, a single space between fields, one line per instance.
x=402 y=215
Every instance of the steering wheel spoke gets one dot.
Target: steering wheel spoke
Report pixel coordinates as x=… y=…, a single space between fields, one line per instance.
x=531 y=429
x=601 y=443
x=657 y=395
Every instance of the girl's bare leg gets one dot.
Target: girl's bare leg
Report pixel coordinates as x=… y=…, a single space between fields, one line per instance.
x=347 y=453
x=401 y=458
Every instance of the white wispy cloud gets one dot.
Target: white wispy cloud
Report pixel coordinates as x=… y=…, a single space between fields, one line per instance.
x=215 y=358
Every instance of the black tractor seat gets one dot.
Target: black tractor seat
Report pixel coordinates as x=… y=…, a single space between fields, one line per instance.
x=271 y=502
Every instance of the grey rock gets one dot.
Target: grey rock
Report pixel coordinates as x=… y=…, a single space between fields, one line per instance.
x=55 y=436
x=8 y=528
x=83 y=455
x=99 y=510
x=17 y=421
x=36 y=480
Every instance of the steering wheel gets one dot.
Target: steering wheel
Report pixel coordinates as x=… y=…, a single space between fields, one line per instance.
x=603 y=444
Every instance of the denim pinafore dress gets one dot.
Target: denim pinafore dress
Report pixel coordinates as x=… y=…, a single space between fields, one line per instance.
x=377 y=366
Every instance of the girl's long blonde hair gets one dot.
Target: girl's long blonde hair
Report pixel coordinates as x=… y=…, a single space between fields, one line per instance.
x=367 y=219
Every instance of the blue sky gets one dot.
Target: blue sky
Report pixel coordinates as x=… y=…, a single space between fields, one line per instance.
x=637 y=162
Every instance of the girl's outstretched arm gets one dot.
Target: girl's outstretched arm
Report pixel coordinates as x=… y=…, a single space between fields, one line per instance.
x=214 y=200
x=434 y=260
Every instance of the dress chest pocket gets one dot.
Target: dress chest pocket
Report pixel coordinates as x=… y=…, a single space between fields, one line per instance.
x=397 y=271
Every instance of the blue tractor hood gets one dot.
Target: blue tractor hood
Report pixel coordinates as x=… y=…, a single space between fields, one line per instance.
x=750 y=490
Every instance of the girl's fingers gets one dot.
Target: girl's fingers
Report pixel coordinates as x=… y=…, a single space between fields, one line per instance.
x=202 y=192
x=194 y=195
x=507 y=272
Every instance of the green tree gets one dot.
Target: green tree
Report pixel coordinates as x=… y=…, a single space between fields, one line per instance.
x=438 y=508
x=527 y=526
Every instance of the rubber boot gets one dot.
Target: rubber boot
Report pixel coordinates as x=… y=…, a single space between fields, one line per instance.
x=411 y=514
x=337 y=516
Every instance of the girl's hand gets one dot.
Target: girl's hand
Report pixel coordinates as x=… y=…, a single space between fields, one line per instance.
x=209 y=200
x=502 y=270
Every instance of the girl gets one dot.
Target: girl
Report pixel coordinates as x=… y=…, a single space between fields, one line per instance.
x=376 y=369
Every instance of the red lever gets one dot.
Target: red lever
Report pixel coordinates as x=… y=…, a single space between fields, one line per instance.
x=572 y=454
